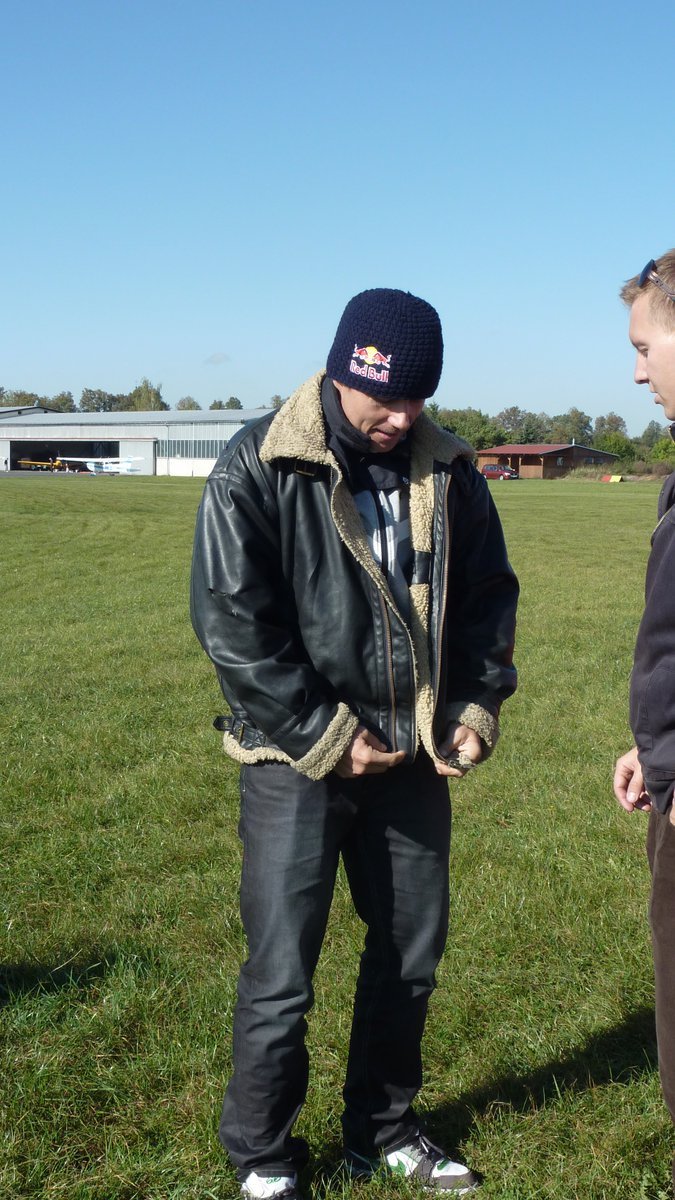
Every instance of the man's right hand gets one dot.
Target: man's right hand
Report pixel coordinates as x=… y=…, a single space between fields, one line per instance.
x=366 y=755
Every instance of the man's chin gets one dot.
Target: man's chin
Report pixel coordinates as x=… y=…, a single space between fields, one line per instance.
x=668 y=407
x=385 y=441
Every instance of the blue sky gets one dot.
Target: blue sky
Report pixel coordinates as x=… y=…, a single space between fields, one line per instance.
x=192 y=192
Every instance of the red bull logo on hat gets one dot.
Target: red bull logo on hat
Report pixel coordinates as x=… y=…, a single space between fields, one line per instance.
x=370 y=359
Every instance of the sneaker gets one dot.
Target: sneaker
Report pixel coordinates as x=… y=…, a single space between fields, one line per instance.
x=417 y=1159
x=264 y=1187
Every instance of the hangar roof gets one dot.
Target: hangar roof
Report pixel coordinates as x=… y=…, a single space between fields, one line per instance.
x=46 y=417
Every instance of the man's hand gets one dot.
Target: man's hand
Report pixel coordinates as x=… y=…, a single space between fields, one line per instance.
x=366 y=755
x=460 y=740
x=629 y=787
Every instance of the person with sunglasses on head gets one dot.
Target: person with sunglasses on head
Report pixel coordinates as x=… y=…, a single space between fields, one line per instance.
x=644 y=778
x=351 y=586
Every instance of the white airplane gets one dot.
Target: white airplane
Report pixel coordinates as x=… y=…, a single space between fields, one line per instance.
x=106 y=466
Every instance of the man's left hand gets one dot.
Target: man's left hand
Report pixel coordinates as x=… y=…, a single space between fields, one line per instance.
x=629 y=785
x=460 y=740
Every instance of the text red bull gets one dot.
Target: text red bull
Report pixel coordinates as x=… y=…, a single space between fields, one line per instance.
x=371 y=358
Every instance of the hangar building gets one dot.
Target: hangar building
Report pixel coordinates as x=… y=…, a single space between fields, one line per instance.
x=158 y=443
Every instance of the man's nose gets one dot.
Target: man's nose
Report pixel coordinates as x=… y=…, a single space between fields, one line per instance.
x=640 y=374
x=401 y=418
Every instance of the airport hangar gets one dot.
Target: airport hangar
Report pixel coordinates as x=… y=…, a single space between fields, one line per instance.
x=160 y=443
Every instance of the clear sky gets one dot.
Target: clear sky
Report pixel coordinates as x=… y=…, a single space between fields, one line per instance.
x=192 y=191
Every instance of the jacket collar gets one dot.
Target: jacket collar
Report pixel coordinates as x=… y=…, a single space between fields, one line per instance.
x=298 y=431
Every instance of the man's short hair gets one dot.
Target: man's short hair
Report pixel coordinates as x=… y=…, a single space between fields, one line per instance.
x=663 y=308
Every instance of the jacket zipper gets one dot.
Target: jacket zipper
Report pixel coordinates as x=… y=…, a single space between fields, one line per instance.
x=390 y=676
x=390 y=669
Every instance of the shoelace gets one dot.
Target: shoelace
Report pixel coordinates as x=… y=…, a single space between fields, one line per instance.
x=433 y=1152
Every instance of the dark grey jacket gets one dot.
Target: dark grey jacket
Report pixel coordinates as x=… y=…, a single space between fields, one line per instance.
x=299 y=621
x=652 y=685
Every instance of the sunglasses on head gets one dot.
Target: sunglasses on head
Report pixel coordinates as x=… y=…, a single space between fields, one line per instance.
x=649 y=274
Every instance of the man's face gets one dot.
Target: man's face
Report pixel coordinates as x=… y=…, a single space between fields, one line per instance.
x=655 y=362
x=385 y=422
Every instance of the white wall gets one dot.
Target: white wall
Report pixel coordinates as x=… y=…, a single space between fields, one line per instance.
x=198 y=467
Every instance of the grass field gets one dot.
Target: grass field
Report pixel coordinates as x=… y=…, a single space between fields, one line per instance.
x=120 y=933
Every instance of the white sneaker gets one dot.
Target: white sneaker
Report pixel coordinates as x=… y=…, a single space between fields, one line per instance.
x=419 y=1159
x=262 y=1187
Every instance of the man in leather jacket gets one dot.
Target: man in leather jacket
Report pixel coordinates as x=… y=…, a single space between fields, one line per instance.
x=351 y=586
x=645 y=777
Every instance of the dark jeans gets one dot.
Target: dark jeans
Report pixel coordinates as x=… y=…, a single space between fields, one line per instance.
x=393 y=831
x=661 y=852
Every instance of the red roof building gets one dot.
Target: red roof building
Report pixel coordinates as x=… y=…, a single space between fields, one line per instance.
x=541 y=460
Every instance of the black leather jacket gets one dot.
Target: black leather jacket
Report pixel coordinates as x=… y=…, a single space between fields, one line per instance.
x=652 y=685
x=299 y=621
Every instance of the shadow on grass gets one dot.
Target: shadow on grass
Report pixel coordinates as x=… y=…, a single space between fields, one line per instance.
x=617 y=1055
x=21 y=979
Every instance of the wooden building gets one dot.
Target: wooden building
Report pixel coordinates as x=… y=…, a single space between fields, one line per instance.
x=542 y=461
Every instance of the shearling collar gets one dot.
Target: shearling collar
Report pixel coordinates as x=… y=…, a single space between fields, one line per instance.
x=298 y=431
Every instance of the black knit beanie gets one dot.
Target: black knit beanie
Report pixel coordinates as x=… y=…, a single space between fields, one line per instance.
x=389 y=345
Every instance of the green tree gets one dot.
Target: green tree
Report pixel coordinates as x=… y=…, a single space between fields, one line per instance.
x=277 y=401
x=217 y=404
x=616 y=443
x=572 y=426
x=432 y=410
x=95 y=400
x=511 y=420
x=544 y=424
x=653 y=433
x=188 y=402
x=145 y=397
x=523 y=427
x=63 y=402
x=612 y=423
x=536 y=427
x=476 y=427
x=233 y=403
x=663 y=450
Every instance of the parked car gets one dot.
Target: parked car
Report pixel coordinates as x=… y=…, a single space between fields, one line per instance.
x=499 y=471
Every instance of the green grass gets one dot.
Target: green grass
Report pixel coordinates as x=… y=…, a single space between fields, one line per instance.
x=120 y=934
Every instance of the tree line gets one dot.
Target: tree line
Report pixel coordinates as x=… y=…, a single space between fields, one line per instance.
x=511 y=425
x=517 y=426
x=146 y=397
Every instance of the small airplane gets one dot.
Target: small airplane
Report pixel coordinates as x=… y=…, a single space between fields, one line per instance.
x=95 y=466
x=36 y=464
x=106 y=466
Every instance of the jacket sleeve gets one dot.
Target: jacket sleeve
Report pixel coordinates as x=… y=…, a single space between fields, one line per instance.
x=482 y=600
x=243 y=614
x=652 y=686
